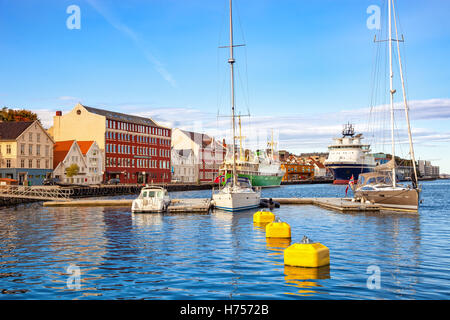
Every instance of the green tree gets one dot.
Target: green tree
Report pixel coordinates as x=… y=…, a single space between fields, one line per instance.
x=13 y=115
x=72 y=170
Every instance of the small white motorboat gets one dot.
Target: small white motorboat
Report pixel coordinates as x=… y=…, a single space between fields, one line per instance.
x=151 y=199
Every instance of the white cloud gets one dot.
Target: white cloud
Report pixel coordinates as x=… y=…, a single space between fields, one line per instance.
x=68 y=98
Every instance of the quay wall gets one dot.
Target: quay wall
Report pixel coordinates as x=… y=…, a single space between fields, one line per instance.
x=78 y=192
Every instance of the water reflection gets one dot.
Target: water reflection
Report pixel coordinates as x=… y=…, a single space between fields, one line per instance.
x=153 y=220
x=260 y=225
x=277 y=245
x=302 y=278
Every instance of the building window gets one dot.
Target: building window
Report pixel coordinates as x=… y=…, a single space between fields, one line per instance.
x=8 y=149
x=8 y=163
x=22 y=163
x=47 y=150
x=38 y=163
x=38 y=137
x=30 y=149
x=22 y=149
x=30 y=163
x=46 y=164
x=38 y=150
x=30 y=136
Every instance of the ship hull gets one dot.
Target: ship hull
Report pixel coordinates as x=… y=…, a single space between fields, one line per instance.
x=342 y=173
x=261 y=180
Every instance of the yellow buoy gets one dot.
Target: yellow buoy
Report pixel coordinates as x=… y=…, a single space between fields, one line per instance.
x=278 y=230
x=263 y=217
x=307 y=254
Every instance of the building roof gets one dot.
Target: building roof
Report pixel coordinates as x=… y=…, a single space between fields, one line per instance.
x=123 y=117
x=60 y=150
x=317 y=163
x=184 y=153
x=206 y=140
x=12 y=130
x=85 y=146
x=295 y=160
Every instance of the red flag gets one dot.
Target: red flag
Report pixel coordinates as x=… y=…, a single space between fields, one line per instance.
x=218 y=179
x=350 y=183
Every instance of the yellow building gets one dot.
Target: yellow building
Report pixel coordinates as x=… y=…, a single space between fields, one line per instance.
x=26 y=152
x=79 y=124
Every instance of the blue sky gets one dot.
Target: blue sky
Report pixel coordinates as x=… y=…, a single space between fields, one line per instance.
x=306 y=68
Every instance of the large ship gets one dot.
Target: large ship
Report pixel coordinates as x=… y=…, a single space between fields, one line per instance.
x=348 y=156
x=262 y=168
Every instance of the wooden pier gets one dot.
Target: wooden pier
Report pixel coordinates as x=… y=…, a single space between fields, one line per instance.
x=176 y=205
x=340 y=204
x=202 y=205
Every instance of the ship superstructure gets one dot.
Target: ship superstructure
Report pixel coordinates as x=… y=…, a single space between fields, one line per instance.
x=348 y=156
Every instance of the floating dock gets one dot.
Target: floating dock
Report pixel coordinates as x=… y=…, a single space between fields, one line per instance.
x=176 y=205
x=202 y=205
x=340 y=204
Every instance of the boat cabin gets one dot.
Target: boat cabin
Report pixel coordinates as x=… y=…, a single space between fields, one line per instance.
x=242 y=182
x=366 y=181
x=153 y=192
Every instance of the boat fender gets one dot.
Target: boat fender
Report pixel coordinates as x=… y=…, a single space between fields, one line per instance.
x=269 y=203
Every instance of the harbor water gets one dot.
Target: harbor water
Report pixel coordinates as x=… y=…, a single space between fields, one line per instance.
x=109 y=253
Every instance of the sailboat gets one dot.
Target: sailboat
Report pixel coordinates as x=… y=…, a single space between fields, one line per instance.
x=381 y=187
x=237 y=193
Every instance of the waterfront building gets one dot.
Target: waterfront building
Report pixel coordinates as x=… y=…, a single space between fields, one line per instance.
x=26 y=152
x=319 y=157
x=283 y=155
x=134 y=149
x=320 y=171
x=67 y=154
x=207 y=153
x=183 y=166
x=85 y=155
x=426 y=169
x=381 y=158
x=295 y=169
x=94 y=161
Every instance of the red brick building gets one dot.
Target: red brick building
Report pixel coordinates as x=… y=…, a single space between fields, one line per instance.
x=136 y=149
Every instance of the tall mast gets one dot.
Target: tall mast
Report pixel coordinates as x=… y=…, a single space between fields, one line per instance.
x=271 y=144
x=411 y=148
x=233 y=123
x=241 y=150
x=392 y=91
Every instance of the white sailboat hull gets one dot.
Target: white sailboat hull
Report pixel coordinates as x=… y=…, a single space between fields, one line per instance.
x=236 y=201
